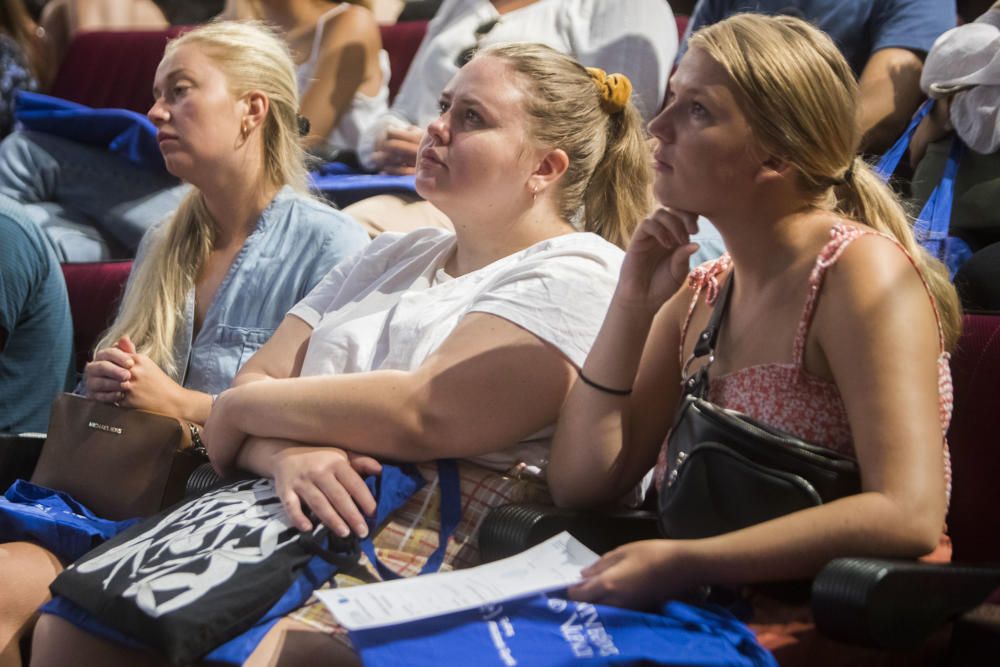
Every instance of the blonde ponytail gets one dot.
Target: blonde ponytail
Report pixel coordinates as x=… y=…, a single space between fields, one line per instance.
x=606 y=188
x=800 y=98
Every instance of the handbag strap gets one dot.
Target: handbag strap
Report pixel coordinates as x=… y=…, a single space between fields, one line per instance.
x=451 y=514
x=696 y=384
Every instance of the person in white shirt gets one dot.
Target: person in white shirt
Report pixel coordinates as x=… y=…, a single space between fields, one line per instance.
x=440 y=344
x=636 y=37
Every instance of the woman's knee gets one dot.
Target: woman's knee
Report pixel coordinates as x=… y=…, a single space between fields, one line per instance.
x=26 y=570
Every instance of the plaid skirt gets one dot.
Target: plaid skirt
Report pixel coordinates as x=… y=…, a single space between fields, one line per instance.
x=406 y=541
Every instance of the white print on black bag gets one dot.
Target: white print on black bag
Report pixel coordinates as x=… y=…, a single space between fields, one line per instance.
x=195 y=548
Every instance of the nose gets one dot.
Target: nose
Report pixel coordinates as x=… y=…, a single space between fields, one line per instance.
x=662 y=125
x=439 y=130
x=158 y=113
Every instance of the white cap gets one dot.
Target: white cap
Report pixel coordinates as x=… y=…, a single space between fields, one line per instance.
x=965 y=62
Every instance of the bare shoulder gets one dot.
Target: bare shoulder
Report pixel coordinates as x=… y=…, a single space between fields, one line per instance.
x=354 y=24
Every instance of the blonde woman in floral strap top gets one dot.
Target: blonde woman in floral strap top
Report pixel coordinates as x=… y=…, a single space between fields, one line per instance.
x=838 y=327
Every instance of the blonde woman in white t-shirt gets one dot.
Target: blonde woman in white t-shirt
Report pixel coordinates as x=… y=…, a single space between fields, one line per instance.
x=439 y=344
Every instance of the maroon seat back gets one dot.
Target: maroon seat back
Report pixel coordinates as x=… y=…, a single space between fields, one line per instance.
x=401 y=41
x=94 y=291
x=974 y=438
x=112 y=69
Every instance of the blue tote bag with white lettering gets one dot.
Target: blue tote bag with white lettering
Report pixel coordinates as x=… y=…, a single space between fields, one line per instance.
x=543 y=631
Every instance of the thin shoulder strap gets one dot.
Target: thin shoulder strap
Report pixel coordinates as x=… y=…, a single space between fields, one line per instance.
x=842 y=237
x=321 y=28
x=704 y=277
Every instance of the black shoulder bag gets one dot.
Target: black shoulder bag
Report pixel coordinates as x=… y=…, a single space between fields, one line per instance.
x=728 y=471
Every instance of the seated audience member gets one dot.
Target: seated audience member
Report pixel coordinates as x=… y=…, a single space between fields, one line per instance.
x=210 y=284
x=94 y=205
x=36 y=332
x=636 y=37
x=884 y=42
x=22 y=59
x=342 y=70
x=962 y=73
x=814 y=342
x=440 y=344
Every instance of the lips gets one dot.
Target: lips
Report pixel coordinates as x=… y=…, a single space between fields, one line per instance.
x=428 y=157
x=161 y=137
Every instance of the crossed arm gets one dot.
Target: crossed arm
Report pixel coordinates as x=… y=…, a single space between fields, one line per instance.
x=490 y=384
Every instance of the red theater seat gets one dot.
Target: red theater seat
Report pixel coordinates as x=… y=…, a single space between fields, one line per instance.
x=112 y=69
x=401 y=41
x=94 y=291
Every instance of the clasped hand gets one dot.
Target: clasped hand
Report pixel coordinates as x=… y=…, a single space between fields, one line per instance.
x=396 y=152
x=123 y=376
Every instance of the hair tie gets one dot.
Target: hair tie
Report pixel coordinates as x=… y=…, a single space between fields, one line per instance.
x=304 y=124
x=615 y=89
x=847 y=177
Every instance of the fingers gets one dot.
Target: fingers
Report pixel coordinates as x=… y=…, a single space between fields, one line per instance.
x=680 y=262
x=125 y=345
x=115 y=356
x=411 y=135
x=339 y=511
x=293 y=507
x=365 y=465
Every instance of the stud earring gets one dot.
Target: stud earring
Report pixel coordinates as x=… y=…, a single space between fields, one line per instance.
x=534 y=194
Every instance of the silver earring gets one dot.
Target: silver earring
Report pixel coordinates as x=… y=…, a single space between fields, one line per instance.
x=534 y=194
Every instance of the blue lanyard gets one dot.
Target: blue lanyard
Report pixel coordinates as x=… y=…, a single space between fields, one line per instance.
x=451 y=513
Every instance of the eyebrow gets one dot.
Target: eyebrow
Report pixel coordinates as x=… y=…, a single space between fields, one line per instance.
x=172 y=75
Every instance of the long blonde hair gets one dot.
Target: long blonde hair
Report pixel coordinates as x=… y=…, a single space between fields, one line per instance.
x=606 y=187
x=253 y=58
x=800 y=99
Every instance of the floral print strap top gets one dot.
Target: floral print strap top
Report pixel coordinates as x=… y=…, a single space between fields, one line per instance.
x=786 y=395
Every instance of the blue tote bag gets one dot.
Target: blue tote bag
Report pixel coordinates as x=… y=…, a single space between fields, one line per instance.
x=931 y=226
x=544 y=631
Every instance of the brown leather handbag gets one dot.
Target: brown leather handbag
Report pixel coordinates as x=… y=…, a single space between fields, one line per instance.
x=119 y=462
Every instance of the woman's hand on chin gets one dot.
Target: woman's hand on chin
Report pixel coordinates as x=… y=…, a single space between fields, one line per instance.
x=656 y=261
x=327 y=481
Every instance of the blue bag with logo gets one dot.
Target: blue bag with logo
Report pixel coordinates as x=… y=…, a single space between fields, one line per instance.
x=53 y=519
x=548 y=631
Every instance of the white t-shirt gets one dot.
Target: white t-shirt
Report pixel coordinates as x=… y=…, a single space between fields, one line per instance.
x=393 y=305
x=636 y=37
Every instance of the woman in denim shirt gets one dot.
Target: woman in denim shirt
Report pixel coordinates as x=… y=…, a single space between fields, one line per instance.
x=213 y=281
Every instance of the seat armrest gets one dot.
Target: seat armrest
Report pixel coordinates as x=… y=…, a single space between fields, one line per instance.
x=894 y=604
x=511 y=529
x=18 y=456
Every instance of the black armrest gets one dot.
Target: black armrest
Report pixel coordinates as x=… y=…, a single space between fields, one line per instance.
x=894 y=604
x=18 y=456
x=510 y=529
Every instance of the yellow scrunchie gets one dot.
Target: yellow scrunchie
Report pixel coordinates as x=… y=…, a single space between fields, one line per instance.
x=615 y=89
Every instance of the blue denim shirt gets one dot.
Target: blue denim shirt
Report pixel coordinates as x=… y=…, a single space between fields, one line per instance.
x=298 y=239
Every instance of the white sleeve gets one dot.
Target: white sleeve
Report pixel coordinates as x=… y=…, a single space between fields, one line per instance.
x=635 y=37
x=561 y=297
x=318 y=301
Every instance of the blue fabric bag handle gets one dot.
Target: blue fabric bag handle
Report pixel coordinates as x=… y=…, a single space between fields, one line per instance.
x=931 y=226
x=451 y=514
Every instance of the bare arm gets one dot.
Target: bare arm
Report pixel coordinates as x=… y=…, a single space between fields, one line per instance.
x=489 y=385
x=605 y=443
x=890 y=94
x=877 y=332
x=349 y=58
